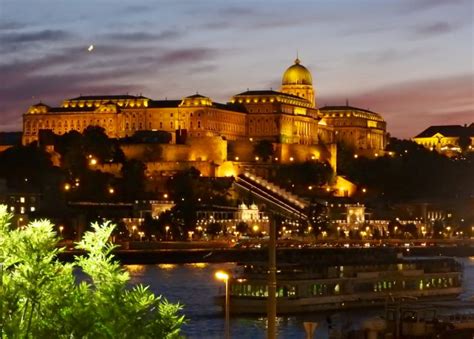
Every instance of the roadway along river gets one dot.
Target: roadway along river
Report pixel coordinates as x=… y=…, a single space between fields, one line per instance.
x=194 y=286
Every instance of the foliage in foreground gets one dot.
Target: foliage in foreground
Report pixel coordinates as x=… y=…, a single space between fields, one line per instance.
x=40 y=297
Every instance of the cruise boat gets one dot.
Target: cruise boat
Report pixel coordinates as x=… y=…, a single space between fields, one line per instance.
x=311 y=288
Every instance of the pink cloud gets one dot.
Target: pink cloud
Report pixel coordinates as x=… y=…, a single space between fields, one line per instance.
x=411 y=107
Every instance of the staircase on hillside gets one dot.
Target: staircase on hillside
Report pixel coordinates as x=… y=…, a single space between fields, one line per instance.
x=277 y=197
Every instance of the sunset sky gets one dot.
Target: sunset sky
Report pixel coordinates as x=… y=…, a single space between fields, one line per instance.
x=410 y=60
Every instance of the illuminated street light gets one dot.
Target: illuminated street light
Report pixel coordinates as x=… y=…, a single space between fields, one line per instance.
x=165 y=195
x=223 y=276
x=93 y=161
x=61 y=229
x=111 y=190
x=167 y=228
x=67 y=187
x=255 y=228
x=291 y=158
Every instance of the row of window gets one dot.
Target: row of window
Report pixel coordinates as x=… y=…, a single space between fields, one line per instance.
x=249 y=290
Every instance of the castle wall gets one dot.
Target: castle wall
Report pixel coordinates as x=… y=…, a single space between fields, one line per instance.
x=196 y=149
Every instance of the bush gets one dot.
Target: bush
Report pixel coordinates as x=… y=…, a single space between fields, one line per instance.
x=40 y=297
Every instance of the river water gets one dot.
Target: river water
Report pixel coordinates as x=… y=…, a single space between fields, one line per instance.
x=194 y=286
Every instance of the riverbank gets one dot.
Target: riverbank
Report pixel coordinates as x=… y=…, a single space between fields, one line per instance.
x=244 y=255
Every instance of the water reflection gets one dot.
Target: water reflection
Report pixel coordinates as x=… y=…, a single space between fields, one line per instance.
x=167 y=267
x=198 y=265
x=194 y=286
x=135 y=269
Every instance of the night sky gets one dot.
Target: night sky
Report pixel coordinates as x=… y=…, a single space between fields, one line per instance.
x=410 y=60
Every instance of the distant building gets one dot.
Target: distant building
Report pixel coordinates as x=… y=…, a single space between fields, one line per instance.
x=357 y=128
x=446 y=139
x=22 y=205
x=286 y=117
x=229 y=218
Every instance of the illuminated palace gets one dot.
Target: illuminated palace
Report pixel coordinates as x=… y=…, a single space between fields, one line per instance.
x=289 y=116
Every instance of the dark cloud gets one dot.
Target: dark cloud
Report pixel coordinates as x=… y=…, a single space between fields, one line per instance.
x=216 y=25
x=388 y=55
x=107 y=70
x=137 y=9
x=144 y=36
x=409 y=6
x=433 y=29
x=237 y=11
x=186 y=55
x=11 y=25
x=40 y=36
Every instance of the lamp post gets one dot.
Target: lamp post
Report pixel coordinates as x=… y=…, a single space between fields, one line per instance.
x=167 y=228
x=272 y=284
x=221 y=275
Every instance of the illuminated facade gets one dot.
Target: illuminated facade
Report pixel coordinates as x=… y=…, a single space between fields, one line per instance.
x=288 y=116
x=358 y=128
x=445 y=139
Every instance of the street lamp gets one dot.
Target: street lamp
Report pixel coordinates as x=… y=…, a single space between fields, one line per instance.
x=221 y=275
x=61 y=229
x=167 y=228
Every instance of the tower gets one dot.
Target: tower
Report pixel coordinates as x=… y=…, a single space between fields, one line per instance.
x=297 y=80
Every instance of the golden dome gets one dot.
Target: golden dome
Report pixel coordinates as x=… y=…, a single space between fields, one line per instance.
x=297 y=74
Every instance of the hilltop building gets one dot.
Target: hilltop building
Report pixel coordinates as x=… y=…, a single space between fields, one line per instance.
x=289 y=118
x=447 y=139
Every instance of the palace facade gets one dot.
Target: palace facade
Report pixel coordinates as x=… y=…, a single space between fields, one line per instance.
x=447 y=139
x=288 y=116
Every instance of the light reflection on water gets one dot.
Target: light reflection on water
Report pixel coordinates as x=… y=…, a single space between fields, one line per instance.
x=194 y=286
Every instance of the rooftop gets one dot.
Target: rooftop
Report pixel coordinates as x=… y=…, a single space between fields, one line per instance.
x=344 y=108
x=108 y=97
x=447 y=131
x=269 y=92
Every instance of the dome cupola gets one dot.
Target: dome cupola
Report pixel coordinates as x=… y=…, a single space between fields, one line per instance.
x=297 y=74
x=297 y=81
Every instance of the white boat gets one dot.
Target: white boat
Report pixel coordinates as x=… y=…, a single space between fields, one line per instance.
x=311 y=288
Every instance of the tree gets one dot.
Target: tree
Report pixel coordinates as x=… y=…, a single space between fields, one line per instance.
x=242 y=227
x=214 y=228
x=263 y=149
x=25 y=162
x=304 y=174
x=410 y=229
x=133 y=178
x=150 y=226
x=39 y=296
x=318 y=219
x=464 y=140
x=438 y=228
x=97 y=143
